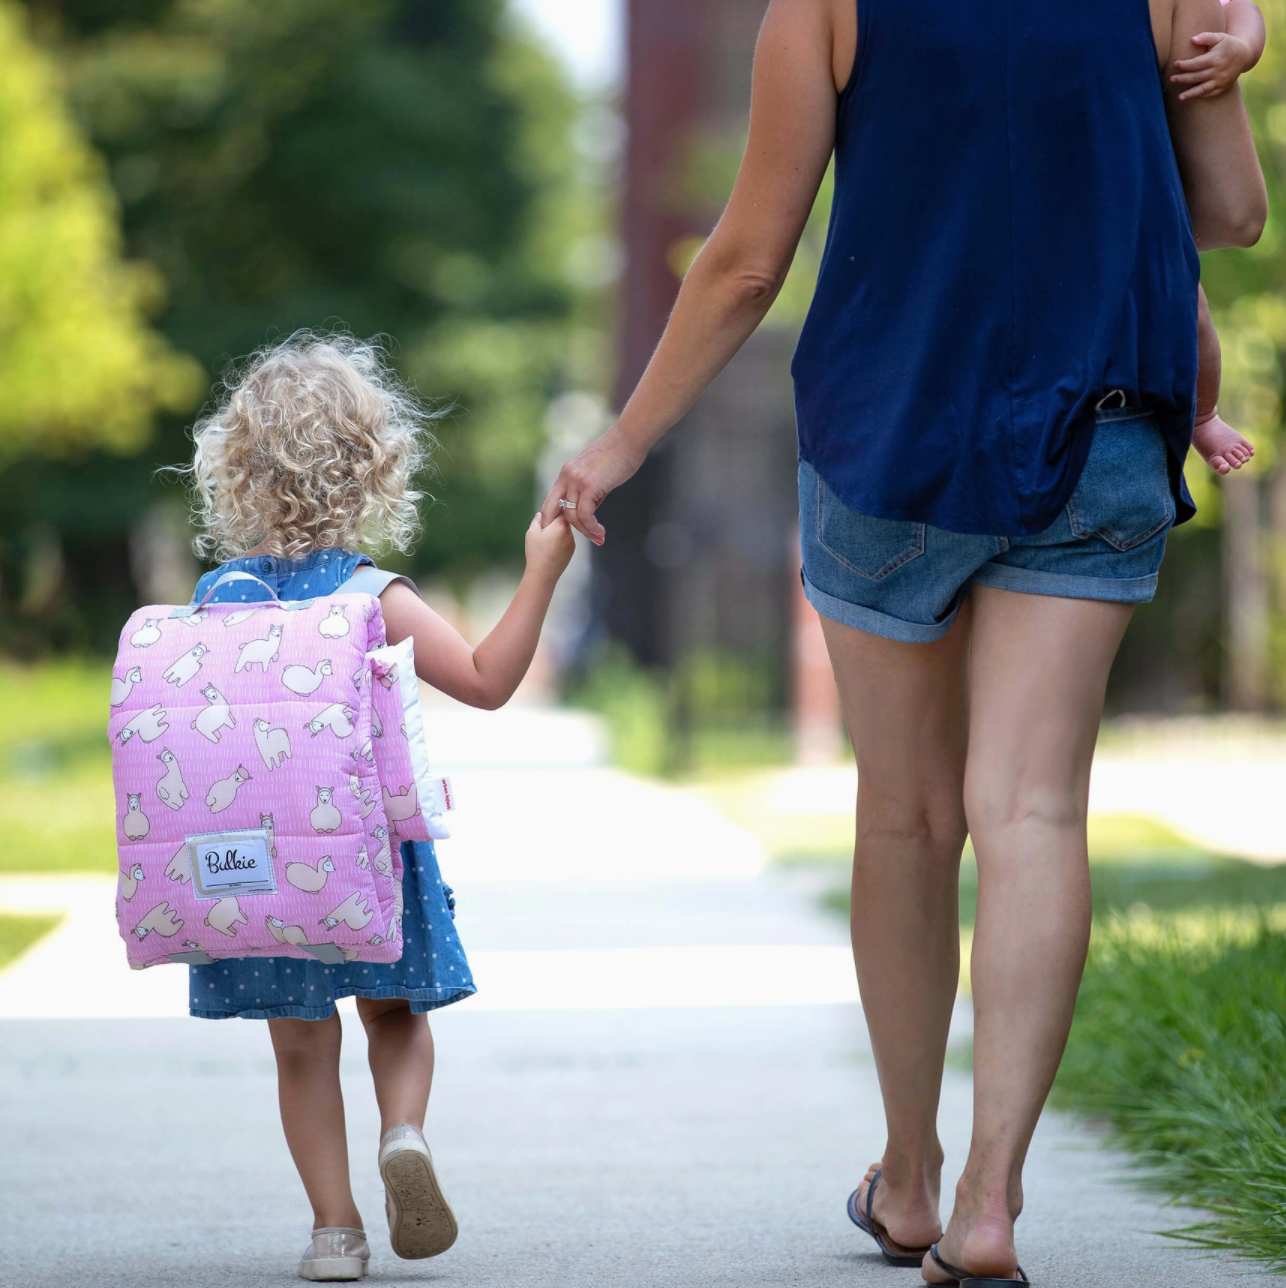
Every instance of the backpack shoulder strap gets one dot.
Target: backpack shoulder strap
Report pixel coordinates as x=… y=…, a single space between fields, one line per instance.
x=369 y=580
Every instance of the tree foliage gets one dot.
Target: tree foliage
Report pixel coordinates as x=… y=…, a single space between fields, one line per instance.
x=79 y=365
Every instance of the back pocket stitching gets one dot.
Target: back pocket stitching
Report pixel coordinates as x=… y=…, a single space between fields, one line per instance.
x=889 y=568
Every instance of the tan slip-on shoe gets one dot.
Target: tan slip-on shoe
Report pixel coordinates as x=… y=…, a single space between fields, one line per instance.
x=420 y=1221
x=338 y=1253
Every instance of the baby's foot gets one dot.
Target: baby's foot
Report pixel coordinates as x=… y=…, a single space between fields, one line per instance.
x=1220 y=445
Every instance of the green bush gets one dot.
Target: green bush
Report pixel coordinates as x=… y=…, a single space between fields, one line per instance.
x=1179 y=1044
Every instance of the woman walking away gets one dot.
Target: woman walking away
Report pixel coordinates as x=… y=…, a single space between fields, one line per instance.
x=312 y=451
x=995 y=391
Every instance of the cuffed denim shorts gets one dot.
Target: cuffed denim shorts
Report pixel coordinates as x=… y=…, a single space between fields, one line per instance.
x=906 y=581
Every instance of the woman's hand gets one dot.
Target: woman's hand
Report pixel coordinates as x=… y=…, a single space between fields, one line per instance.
x=605 y=464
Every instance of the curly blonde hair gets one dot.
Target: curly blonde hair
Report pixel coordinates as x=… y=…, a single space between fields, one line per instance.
x=313 y=443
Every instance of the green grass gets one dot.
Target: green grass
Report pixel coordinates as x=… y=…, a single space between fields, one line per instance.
x=57 y=812
x=17 y=934
x=1179 y=1044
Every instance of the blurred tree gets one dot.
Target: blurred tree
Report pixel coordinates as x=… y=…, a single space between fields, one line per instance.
x=79 y=366
x=384 y=165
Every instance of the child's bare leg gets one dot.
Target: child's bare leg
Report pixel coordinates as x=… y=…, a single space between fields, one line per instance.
x=312 y=1113
x=1221 y=446
x=400 y=1050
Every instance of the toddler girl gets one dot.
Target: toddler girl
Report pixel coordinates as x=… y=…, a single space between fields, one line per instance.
x=312 y=450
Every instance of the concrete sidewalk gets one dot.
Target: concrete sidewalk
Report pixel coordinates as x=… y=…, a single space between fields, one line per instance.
x=665 y=1079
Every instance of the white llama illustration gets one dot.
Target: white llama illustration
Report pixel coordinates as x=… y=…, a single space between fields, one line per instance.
x=399 y=806
x=310 y=877
x=260 y=652
x=241 y=615
x=377 y=725
x=383 y=859
x=226 y=916
x=273 y=744
x=179 y=868
x=135 y=824
x=162 y=920
x=366 y=801
x=335 y=626
x=265 y=822
x=184 y=668
x=363 y=859
x=325 y=816
x=171 y=788
x=148 y=725
x=354 y=912
x=305 y=680
x=194 y=619
x=147 y=634
x=338 y=718
x=359 y=675
x=121 y=688
x=364 y=752
x=285 y=934
x=217 y=717
x=223 y=792
x=129 y=879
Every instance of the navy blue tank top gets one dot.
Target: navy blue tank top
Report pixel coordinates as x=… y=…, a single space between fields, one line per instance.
x=1009 y=240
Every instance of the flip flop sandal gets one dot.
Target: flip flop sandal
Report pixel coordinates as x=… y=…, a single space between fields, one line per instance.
x=966 y=1280
x=867 y=1225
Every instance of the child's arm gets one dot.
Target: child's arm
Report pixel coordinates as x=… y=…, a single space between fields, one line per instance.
x=1228 y=53
x=488 y=675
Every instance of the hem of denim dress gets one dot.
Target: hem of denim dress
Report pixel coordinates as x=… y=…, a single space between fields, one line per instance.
x=876 y=623
x=422 y=1000
x=1061 y=585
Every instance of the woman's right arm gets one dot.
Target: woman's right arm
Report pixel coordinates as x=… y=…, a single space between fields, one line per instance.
x=734 y=280
x=1224 y=185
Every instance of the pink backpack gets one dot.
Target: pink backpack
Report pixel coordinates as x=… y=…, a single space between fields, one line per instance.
x=269 y=758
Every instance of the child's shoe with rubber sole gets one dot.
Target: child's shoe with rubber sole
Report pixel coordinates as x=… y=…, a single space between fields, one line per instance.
x=420 y=1221
x=337 y=1254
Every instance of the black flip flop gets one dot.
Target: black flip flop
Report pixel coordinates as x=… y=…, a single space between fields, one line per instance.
x=966 y=1280
x=867 y=1226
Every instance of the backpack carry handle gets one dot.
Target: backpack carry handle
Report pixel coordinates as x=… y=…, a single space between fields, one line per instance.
x=189 y=609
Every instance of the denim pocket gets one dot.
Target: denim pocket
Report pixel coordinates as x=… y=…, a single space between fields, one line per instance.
x=1123 y=496
x=872 y=548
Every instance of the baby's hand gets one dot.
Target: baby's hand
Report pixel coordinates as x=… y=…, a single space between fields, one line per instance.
x=1220 y=445
x=1216 y=70
x=549 y=550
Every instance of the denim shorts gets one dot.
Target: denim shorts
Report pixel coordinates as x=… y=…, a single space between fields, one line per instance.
x=906 y=581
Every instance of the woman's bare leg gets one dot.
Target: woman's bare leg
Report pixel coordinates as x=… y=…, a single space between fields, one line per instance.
x=312 y=1113
x=907 y=714
x=400 y=1050
x=1038 y=673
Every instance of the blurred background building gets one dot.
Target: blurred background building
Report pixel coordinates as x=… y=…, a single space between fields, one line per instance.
x=511 y=194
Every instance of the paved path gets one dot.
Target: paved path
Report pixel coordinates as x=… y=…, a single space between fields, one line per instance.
x=665 y=1081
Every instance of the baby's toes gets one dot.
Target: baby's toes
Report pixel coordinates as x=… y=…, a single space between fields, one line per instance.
x=1219 y=465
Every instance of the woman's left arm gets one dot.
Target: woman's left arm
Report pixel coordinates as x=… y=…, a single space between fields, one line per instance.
x=735 y=279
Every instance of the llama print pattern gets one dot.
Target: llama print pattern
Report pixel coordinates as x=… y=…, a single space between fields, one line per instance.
x=354 y=913
x=161 y=920
x=253 y=691
x=185 y=668
x=217 y=717
x=260 y=652
x=306 y=681
x=325 y=816
x=129 y=879
x=338 y=718
x=122 y=688
x=148 y=725
x=172 y=790
x=273 y=744
x=310 y=877
x=135 y=824
x=226 y=916
x=147 y=634
x=224 y=792
x=194 y=620
x=265 y=822
x=335 y=625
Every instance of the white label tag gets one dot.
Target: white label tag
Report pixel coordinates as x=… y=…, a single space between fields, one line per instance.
x=446 y=797
x=225 y=863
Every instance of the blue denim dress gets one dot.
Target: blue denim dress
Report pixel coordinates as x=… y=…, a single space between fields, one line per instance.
x=432 y=971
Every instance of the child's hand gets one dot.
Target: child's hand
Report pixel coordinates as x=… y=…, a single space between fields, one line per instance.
x=549 y=550
x=1215 y=71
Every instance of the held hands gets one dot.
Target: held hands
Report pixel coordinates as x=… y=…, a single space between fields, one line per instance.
x=605 y=464
x=1215 y=71
x=550 y=549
